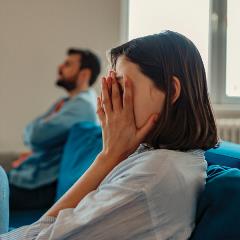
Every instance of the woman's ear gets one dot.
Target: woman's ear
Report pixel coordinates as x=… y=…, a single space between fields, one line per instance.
x=177 y=89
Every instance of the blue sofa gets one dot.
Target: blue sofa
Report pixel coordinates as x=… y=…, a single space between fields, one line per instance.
x=83 y=145
x=223 y=184
x=218 y=211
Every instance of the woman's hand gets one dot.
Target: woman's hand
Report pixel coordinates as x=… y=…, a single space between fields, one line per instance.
x=121 y=137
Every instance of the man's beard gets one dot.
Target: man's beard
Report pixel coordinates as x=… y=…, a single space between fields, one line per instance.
x=69 y=85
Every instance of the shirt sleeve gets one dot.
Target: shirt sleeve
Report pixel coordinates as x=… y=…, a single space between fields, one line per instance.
x=29 y=232
x=116 y=210
x=106 y=214
x=26 y=136
x=49 y=132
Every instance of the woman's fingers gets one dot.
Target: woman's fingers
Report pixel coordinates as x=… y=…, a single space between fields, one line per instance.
x=128 y=98
x=100 y=111
x=106 y=101
x=101 y=97
x=109 y=83
x=116 y=98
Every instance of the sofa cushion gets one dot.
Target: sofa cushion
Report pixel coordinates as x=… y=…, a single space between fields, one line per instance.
x=83 y=145
x=218 y=212
x=227 y=154
x=19 y=218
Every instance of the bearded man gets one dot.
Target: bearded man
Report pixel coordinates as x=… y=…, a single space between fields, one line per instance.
x=33 y=181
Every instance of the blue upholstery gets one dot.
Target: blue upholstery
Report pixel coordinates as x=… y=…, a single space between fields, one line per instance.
x=83 y=145
x=227 y=154
x=21 y=218
x=218 y=212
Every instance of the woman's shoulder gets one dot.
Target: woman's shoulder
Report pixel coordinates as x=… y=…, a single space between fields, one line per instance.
x=150 y=166
x=158 y=158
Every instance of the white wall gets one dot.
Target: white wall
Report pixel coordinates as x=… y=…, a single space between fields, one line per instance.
x=34 y=38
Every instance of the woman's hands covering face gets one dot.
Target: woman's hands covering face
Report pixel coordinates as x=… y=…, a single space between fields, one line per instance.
x=121 y=137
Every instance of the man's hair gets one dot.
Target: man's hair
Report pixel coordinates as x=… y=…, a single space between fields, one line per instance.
x=88 y=60
x=188 y=123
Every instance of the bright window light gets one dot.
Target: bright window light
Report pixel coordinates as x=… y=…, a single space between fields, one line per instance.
x=188 y=17
x=233 y=49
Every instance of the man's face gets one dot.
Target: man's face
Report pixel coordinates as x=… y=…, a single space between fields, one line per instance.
x=68 y=72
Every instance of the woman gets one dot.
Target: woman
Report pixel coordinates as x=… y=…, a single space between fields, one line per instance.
x=157 y=121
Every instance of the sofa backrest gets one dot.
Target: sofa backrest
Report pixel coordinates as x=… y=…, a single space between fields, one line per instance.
x=218 y=212
x=83 y=145
x=227 y=154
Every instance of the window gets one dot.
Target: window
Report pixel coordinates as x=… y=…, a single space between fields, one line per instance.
x=205 y=23
x=153 y=16
x=233 y=49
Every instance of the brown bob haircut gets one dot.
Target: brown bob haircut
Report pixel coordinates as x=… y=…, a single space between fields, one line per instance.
x=188 y=123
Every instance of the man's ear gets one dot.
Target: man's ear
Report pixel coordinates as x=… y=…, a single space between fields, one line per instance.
x=177 y=88
x=85 y=74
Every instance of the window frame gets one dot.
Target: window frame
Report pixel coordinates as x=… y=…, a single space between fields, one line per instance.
x=218 y=53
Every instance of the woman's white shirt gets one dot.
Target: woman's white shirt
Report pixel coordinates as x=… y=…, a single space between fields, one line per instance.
x=152 y=195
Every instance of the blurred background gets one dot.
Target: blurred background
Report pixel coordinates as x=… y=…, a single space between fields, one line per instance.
x=36 y=34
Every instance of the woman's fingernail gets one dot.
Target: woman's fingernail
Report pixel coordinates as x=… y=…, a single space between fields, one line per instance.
x=112 y=74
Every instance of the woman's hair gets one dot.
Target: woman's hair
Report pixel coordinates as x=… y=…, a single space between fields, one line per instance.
x=188 y=123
